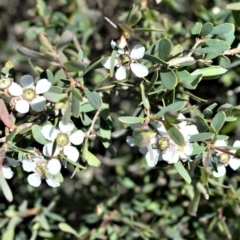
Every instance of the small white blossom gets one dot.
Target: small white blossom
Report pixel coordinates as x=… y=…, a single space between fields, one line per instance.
x=126 y=60
x=40 y=167
x=224 y=159
x=64 y=138
x=26 y=94
x=162 y=147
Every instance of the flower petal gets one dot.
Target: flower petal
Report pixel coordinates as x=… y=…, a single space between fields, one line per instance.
x=188 y=149
x=28 y=165
x=139 y=69
x=49 y=132
x=236 y=143
x=106 y=62
x=48 y=148
x=54 y=166
x=34 y=179
x=234 y=163
x=7 y=172
x=71 y=153
x=137 y=51
x=152 y=157
x=66 y=128
x=221 y=171
x=52 y=182
x=15 y=90
x=22 y=106
x=77 y=137
x=26 y=81
x=43 y=86
x=38 y=104
x=121 y=73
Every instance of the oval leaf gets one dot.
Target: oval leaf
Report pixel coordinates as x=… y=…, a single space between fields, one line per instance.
x=67 y=228
x=201 y=136
x=94 y=98
x=182 y=171
x=64 y=40
x=169 y=79
x=218 y=121
x=131 y=120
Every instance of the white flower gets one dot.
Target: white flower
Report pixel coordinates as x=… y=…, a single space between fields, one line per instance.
x=63 y=138
x=162 y=147
x=224 y=159
x=7 y=171
x=125 y=61
x=27 y=94
x=40 y=167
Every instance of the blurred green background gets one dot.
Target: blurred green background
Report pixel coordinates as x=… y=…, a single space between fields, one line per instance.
x=122 y=199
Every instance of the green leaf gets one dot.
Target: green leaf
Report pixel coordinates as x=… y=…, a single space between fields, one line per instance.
x=76 y=92
x=153 y=81
x=194 y=204
x=144 y=98
x=164 y=48
x=153 y=59
x=76 y=106
x=208 y=111
x=67 y=113
x=55 y=97
x=64 y=40
x=196 y=29
x=206 y=29
x=234 y=6
x=187 y=80
x=67 y=228
x=74 y=66
x=169 y=78
x=146 y=29
x=174 y=106
x=113 y=60
x=178 y=49
x=34 y=55
x=224 y=61
x=5 y=188
x=174 y=134
x=90 y=158
x=131 y=120
x=223 y=28
x=134 y=16
x=210 y=72
x=201 y=136
x=37 y=134
x=94 y=98
x=201 y=124
x=217 y=47
x=182 y=171
x=218 y=121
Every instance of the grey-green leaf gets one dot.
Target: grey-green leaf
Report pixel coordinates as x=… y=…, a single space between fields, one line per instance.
x=94 y=98
x=182 y=171
x=169 y=78
x=218 y=121
x=201 y=136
